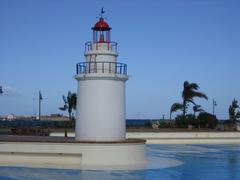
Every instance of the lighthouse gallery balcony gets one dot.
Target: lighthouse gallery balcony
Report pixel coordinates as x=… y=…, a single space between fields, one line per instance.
x=107 y=46
x=101 y=67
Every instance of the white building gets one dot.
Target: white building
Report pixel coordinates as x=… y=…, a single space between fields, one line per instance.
x=11 y=117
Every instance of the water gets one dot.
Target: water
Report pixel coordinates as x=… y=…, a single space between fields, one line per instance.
x=167 y=162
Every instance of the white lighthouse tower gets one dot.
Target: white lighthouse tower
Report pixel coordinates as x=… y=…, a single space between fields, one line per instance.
x=101 y=89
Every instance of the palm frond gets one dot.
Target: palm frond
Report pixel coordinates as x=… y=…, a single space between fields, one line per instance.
x=64 y=108
x=197 y=108
x=176 y=106
x=235 y=104
x=193 y=86
x=190 y=91
x=200 y=95
x=64 y=99
x=185 y=84
x=191 y=101
x=238 y=115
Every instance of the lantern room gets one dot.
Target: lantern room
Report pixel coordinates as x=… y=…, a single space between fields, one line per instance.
x=101 y=32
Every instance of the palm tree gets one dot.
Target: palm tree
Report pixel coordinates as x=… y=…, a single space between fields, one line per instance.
x=233 y=113
x=190 y=91
x=70 y=103
x=188 y=94
x=175 y=107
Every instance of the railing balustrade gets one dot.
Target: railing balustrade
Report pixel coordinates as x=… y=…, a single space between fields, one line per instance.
x=89 y=46
x=101 y=67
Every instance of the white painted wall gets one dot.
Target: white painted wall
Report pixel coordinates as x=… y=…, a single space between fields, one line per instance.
x=117 y=156
x=179 y=137
x=187 y=137
x=102 y=53
x=100 y=113
x=101 y=110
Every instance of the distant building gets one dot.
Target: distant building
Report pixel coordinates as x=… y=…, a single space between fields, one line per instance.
x=54 y=117
x=11 y=117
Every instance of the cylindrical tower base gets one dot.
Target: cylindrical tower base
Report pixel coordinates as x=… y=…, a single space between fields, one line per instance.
x=100 y=108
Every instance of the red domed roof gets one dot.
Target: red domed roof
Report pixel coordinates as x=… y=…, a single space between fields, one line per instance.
x=101 y=25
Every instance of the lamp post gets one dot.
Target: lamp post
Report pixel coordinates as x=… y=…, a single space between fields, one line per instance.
x=1 y=91
x=39 y=104
x=214 y=104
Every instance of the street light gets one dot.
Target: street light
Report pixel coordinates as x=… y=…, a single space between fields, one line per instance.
x=214 y=105
x=1 y=91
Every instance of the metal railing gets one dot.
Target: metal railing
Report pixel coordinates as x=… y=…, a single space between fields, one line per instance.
x=101 y=67
x=89 y=46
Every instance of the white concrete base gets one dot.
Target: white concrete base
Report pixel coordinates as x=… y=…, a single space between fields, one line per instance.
x=179 y=137
x=187 y=137
x=87 y=156
x=100 y=112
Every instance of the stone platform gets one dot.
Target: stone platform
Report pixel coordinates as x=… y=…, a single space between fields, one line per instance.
x=61 y=152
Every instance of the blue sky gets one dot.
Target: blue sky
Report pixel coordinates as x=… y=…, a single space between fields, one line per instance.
x=163 y=42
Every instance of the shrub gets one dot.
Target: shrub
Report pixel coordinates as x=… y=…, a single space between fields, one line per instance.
x=207 y=120
x=164 y=124
x=182 y=122
x=148 y=124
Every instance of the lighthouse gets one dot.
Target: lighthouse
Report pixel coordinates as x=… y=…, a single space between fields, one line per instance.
x=100 y=113
x=100 y=133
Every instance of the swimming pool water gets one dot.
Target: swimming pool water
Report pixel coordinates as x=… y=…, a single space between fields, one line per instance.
x=167 y=162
